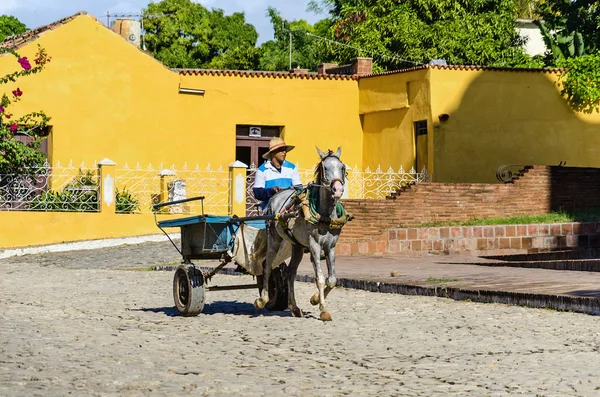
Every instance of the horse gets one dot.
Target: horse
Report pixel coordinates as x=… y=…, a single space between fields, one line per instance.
x=318 y=230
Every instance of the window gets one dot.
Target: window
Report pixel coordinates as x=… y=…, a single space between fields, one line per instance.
x=252 y=141
x=266 y=131
x=421 y=127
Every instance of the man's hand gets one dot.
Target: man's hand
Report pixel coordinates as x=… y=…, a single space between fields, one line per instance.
x=275 y=190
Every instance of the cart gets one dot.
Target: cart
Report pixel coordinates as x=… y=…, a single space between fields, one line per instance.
x=228 y=239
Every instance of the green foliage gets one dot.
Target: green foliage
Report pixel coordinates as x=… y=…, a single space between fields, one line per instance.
x=571 y=30
x=276 y=53
x=10 y=26
x=190 y=36
x=432 y=280
x=81 y=195
x=580 y=84
x=16 y=157
x=126 y=203
x=526 y=9
x=568 y=18
x=476 y=32
x=562 y=44
x=585 y=215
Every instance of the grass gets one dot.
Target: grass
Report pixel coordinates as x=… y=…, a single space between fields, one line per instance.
x=432 y=280
x=586 y=215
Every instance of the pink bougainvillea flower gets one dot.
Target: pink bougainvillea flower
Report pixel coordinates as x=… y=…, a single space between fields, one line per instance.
x=24 y=62
x=1 y=109
x=17 y=92
x=13 y=127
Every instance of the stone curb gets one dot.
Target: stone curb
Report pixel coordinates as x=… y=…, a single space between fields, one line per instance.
x=586 y=305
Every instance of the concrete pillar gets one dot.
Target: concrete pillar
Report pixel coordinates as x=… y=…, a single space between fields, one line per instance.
x=237 y=190
x=166 y=177
x=106 y=191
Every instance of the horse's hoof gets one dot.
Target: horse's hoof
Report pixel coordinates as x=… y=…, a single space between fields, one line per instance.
x=314 y=300
x=296 y=312
x=325 y=316
x=259 y=303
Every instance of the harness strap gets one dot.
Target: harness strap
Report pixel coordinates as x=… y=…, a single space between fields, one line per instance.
x=309 y=210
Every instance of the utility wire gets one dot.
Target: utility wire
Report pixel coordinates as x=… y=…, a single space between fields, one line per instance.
x=395 y=57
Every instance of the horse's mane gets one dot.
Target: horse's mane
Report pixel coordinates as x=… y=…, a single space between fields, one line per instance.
x=319 y=168
x=319 y=172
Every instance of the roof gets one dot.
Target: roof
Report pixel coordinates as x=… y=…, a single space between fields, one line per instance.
x=31 y=35
x=251 y=73
x=469 y=67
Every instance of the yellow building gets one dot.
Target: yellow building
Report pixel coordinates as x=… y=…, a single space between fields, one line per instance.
x=110 y=100
x=463 y=122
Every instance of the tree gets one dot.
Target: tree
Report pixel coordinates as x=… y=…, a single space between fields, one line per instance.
x=16 y=157
x=401 y=33
x=577 y=18
x=571 y=30
x=187 y=35
x=10 y=26
x=232 y=42
x=305 y=54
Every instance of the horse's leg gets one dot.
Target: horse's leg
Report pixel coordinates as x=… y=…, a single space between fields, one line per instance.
x=315 y=258
x=273 y=244
x=297 y=253
x=331 y=280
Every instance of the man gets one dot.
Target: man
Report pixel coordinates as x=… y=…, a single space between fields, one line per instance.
x=276 y=173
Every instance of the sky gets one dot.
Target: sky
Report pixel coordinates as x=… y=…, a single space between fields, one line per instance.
x=34 y=13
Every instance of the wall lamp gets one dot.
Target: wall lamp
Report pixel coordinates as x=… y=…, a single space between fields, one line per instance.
x=192 y=91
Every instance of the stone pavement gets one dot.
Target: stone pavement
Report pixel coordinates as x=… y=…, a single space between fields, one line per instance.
x=522 y=280
x=77 y=323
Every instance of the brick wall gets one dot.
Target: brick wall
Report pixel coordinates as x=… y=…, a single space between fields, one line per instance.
x=539 y=190
x=478 y=240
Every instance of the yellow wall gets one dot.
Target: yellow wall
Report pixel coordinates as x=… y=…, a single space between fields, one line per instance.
x=389 y=105
x=505 y=117
x=24 y=229
x=107 y=99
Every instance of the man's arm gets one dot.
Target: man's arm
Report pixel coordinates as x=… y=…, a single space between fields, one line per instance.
x=259 y=190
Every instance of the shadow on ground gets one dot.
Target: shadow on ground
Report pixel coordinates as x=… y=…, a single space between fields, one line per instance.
x=591 y=293
x=226 y=307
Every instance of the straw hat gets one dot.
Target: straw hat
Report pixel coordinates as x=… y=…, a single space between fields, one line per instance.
x=274 y=144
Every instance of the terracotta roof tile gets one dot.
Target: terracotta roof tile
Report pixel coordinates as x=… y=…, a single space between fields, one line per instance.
x=251 y=73
x=468 y=67
x=31 y=35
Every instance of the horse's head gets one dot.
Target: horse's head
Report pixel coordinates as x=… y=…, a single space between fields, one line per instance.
x=331 y=172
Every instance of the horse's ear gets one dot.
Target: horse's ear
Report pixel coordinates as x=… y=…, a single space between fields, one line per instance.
x=321 y=154
x=338 y=153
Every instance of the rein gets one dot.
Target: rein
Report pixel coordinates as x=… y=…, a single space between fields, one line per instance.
x=308 y=200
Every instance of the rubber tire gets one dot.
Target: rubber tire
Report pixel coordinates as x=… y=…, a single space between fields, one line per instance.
x=278 y=290
x=188 y=290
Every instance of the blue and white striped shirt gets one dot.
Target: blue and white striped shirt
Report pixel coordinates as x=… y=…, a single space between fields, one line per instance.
x=268 y=177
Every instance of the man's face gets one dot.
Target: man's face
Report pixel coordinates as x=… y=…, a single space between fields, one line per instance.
x=279 y=155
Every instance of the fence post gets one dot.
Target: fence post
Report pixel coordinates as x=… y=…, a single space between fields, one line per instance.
x=106 y=191
x=237 y=188
x=166 y=176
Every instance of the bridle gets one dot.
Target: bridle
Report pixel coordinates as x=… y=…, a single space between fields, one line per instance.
x=321 y=175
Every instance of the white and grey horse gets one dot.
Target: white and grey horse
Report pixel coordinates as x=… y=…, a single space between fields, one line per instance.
x=290 y=238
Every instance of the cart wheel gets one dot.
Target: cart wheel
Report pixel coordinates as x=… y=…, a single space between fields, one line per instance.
x=278 y=290
x=188 y=290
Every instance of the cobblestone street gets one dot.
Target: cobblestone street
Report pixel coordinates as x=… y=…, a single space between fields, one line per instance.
x=84 y=323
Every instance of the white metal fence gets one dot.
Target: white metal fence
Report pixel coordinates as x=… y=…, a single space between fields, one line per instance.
x=60 y=188
x=75 y=188
x=149 y=185
x=367 y=184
